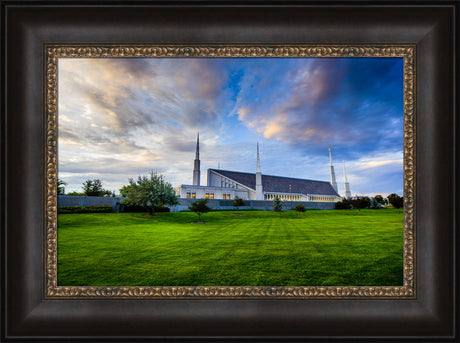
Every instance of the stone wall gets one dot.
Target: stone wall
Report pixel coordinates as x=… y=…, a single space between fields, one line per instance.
x=215 y=204
x=68 y=200
x=267 y=205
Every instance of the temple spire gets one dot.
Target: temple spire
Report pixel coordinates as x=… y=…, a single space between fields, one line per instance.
x=333 y=180
x=197 y=153
x=258 y=158
x=330 y=156
x=259 y=189
x=196 y=164
x=346 y=184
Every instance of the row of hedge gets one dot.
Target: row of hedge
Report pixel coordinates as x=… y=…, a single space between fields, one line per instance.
x=85 y=209
x=106 y=209
x=135 y=208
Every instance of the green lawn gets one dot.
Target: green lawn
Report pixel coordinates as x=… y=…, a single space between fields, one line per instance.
x=258 y=248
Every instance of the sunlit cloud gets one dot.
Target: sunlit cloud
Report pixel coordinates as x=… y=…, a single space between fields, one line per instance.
x=123 y=117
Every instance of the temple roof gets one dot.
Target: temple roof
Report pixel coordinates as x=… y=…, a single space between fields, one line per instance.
x=280 y=184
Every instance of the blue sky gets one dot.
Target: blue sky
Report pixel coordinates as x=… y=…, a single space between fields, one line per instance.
x=124 y=117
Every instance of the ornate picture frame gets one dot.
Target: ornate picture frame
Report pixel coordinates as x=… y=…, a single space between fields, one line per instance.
x=407 y=290
x=35 y=308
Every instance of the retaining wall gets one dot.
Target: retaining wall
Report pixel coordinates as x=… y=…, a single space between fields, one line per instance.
x=215 y=204
x=266 y=205
x=69 y=200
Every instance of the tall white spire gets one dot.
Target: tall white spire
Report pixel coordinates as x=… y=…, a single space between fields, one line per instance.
x=333 y=180
x=330 y=157
x=346 y=184
x=197 y=152
x=196 y=164
x=259 y=189
x=258 y=158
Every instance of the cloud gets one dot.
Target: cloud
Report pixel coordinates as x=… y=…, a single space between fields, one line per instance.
x=332 y=102
x=122 y=117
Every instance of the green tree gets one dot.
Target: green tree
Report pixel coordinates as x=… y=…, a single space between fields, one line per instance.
x=199 y=207
x=360 y=202
x=237 y=202
x=396 y=201
x=149 y=191
x=345 y=204
x=75 y=194
x=277 y=207
x=379 y=198
x=94 y=188
x=60 y=186
x=300 y=208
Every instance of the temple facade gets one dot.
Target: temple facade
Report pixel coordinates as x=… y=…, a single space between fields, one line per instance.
x=227 y=184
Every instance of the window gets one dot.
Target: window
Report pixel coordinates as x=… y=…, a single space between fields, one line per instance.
x=211 y=195
x=193 y=195
x=207 y=196
x=188 y=195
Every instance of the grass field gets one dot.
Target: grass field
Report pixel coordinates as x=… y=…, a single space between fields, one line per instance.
x=258 y=248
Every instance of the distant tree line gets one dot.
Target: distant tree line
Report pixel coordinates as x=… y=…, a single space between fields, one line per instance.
x=90 y=188
x=376 y=202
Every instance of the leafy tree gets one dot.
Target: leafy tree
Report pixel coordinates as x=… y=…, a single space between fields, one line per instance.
x=396 y=201
x=379 y=198
x=60 y=186
x=237 y=202
x=345 y=204
x=360 y=202
x=277 y=207
x=199 y=207
x=149 y=191
x=94 y=188
x=300 y=208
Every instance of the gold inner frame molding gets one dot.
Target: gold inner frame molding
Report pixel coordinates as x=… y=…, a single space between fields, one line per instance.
x=54 y=52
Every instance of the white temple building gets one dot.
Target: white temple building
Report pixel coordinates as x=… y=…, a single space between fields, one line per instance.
x=226 y=184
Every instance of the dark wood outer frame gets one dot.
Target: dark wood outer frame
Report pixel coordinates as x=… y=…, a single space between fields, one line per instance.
x=25 y=312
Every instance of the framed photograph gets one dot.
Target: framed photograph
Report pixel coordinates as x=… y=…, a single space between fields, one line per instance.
x=277 y=97
x=174 y=171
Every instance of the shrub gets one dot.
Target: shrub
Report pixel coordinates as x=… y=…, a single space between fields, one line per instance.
x=340 y=205
x=343 y=205
x=85 y=209
x=133 y=208
x=277 y=207
x=360 y=202
x=300 y=208
x=238 y=202
x=138 y=208
x=199 y=207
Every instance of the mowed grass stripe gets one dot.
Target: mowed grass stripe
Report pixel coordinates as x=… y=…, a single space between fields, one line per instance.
x=258 y=248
